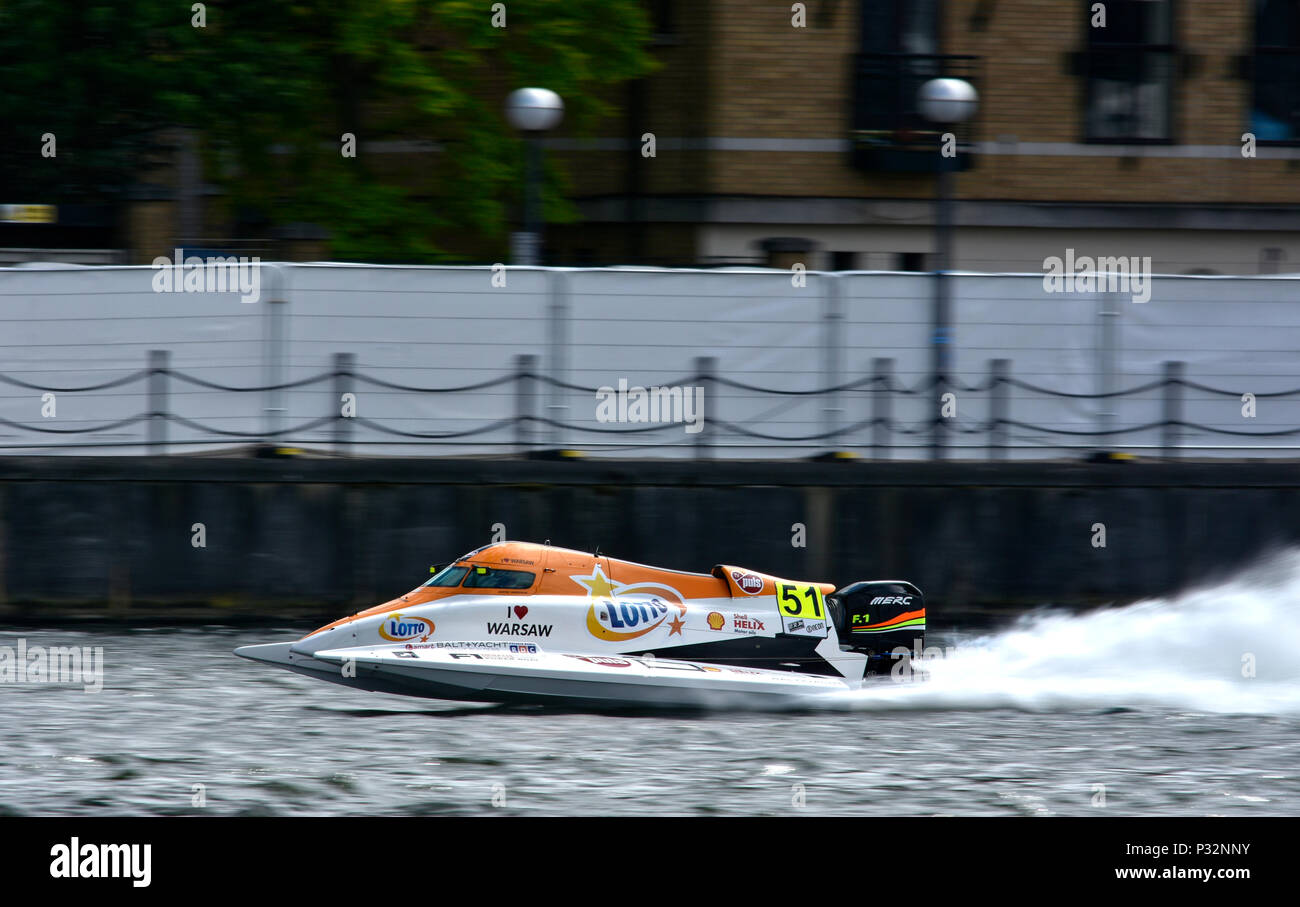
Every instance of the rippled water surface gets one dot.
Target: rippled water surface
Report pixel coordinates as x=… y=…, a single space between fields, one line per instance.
x=1147 y=710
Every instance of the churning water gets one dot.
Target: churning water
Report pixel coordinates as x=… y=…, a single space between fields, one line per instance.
x=1231 y=648
x=1180 y=706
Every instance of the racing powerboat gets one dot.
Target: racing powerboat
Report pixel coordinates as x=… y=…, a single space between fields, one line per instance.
x=526 y=623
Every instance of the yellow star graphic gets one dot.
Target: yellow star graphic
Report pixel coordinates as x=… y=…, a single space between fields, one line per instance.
x=598 y=586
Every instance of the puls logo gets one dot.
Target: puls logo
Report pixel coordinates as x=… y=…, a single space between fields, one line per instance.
x=397 y=628
x=748 y=582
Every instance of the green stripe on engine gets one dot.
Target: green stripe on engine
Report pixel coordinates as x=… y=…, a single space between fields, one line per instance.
x=916 y=622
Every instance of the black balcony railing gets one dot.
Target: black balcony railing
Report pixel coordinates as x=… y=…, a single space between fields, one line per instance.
x=889 y=132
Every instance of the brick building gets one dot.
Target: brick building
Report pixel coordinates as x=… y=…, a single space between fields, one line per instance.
x=791 y=132
x=780 y=140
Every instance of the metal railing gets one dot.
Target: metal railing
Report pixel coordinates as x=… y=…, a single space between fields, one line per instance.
x=877 y=432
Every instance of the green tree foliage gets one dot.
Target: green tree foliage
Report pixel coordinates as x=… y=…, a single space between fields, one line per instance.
x=91 y=76
x=271 y=86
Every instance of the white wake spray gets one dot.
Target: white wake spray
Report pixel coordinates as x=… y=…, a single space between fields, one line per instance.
x=1232 y=647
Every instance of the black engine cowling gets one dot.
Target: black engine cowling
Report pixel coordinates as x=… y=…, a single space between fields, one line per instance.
x=876 y=618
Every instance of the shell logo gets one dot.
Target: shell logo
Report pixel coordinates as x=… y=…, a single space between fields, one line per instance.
x=716 y=621
x=397 y=628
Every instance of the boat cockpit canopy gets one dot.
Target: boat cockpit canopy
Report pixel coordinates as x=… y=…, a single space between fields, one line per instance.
x=480 y=576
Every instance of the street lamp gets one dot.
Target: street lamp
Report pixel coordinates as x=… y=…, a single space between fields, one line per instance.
x=532 y=111
x=945 y=102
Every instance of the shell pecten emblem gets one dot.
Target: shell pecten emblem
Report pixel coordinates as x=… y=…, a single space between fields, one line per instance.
x=618 y=621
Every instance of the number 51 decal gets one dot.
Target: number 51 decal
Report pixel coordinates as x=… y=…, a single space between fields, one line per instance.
x=800 y=601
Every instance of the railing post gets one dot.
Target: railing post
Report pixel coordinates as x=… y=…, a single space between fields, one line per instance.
x=705 y=367
x=557 y=292
x=1173 y=407
x=525 y=401
x=1108 y=333
x=159 y=362
x=273 y=407
x=832 y=357
x=345 y=367
x=882 y=398
x=999 y=394
x=941 y=332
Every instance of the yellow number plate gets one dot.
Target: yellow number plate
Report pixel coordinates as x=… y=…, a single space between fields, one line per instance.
x=800 y=600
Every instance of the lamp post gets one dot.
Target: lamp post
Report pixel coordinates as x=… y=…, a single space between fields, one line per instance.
x=945 y=102
x=532 y=111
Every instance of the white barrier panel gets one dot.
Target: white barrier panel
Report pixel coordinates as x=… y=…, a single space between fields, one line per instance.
x=435 y=351
x=79 y=327
x=415 y=327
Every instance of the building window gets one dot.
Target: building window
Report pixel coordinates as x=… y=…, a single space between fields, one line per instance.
x=899 y=50
x=1129 y=70
x=1275 y=108
x=1271 y=260
x=844 y=261
x=900 y=26
x=910 y=261
x=663 y=21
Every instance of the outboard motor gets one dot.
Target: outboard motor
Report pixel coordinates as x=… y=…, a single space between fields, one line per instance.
x=877 y=618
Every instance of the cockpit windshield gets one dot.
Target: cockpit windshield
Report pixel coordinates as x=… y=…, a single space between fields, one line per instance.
x=450 y=575
x=481 y=577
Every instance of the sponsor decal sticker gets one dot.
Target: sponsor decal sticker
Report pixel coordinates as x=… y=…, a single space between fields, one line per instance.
x=518 y=629
x=397 y=628
x=802 y=609
x=491 y=656
x=800 y=601
x=661 y=665
x=621 y=620
x=624 y=618
x=603 y=661
x=476 y=644
x=744 y=623
x=892 y=600
x=909 y=620
x=716 y=620
x=748 y=582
